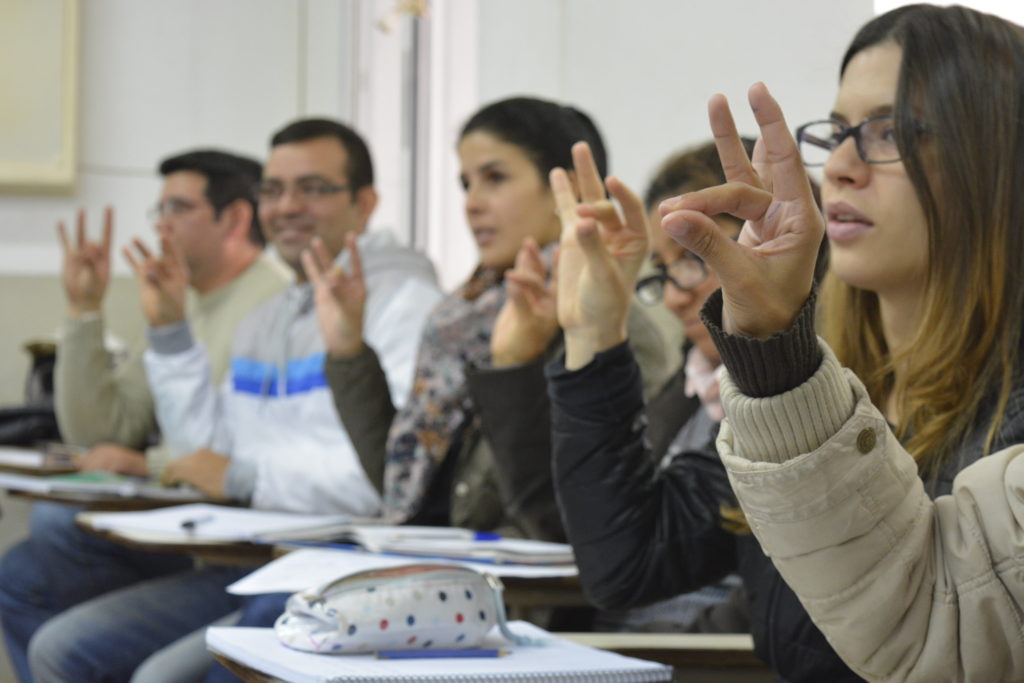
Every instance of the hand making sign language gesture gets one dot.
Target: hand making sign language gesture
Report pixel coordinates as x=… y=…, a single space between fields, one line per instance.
x=600 y=255
x=527 y=322
x=767 y=273
x=163 y=280
x=339 y=296
x=86 y=265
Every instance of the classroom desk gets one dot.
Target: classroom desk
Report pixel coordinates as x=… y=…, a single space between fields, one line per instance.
x=94 y=502
x=210 y=552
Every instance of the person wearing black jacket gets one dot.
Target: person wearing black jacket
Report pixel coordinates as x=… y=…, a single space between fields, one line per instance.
x=644 y=530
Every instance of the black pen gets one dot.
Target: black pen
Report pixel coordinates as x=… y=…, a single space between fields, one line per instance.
x=190 y=525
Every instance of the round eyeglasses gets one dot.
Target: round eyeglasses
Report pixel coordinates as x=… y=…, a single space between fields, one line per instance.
x=874 y=137
x=685 y=274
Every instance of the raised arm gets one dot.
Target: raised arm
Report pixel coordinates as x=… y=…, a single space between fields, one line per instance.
x=359 y=385
x=904 y=588
x=94 y=403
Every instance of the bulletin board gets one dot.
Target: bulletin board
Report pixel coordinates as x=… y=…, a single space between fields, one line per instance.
x=38 y=95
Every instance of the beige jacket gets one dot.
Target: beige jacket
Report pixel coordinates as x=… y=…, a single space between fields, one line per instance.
x=904 y=588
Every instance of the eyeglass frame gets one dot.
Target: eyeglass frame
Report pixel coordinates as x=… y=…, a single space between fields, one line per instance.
x=172 y=207
x=325 y=188
x=855 y=133
x=663 y=275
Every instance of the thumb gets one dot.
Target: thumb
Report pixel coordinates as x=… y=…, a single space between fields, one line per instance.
x=701 y=235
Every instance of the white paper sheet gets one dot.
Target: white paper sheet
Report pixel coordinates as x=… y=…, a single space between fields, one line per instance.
x=310 y=567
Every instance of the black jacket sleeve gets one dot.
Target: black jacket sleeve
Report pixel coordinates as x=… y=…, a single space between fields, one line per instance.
x=516 y=420
x=642 y=531
x=363 y=401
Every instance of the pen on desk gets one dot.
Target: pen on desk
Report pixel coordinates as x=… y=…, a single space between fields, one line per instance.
x=190 y=525
x=439 y=654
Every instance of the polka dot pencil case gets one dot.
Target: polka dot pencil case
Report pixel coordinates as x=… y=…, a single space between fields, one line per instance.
x=400 y=608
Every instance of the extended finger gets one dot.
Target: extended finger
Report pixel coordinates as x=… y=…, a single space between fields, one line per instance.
x=310 y=267
x=141 y=247
x=730 y=148
x=62 y=233
x=591 y=187
x=565 y=200
x=174 y=255
x=321 y=255
x=80 y=228
x=632 y=206
x=529 y=258
x=789 y=179
x=355 y=259
x=737 y=199
x=108 y=229
x=130 y=257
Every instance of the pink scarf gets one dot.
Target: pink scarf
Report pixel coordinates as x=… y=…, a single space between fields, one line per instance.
x=702 y=377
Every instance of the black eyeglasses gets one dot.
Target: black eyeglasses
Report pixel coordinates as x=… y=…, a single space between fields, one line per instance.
x=309 y=190
x=171 y=207
x=685 y=274
x=875 y=139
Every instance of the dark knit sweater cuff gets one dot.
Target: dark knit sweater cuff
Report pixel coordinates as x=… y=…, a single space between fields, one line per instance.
x=766 y=367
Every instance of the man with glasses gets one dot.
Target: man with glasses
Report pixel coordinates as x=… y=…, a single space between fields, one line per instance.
x=269 y=436
x=207 y=208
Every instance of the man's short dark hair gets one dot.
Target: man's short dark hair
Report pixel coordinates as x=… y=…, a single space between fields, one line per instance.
x=229 y=177
x=359 y=168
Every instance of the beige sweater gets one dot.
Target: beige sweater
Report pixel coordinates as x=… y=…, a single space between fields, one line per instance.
x=96 y=404
x=904 y=588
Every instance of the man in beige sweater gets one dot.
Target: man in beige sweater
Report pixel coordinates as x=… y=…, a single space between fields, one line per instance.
x=207 y=208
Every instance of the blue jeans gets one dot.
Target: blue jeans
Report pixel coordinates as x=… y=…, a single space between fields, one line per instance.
x=260 y=610
x=59 y=566
x=106 y=638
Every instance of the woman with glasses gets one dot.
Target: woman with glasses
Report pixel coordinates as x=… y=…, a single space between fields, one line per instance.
x=923 y=210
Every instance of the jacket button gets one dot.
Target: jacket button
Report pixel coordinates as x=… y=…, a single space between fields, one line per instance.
x=866 y=440
x=461 y=489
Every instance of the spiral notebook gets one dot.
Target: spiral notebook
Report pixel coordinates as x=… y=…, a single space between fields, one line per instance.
x=556 y=660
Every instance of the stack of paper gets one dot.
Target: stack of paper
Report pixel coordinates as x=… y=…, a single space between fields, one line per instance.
x=95 y=484
x=202 y=522
x=554 y=660
x=50 y=460
x=300 y=569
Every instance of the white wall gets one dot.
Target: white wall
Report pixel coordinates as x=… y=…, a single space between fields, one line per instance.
x=161 y=77
x=644 y=69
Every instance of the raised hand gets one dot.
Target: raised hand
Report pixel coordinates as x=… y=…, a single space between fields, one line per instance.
x=528 y=321
x=340 y=297
x=767 y=274
x=601 y=253
x=86 y=265
x=163 y=280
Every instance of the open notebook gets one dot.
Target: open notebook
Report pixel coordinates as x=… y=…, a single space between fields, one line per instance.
x=556 y=660
x=214 y=523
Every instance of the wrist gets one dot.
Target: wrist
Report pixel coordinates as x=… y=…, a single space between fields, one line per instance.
x=346 y=351
x=83 y=310
x=581 y=345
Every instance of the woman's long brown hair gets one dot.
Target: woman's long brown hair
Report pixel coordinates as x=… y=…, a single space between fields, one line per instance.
x=960 y=126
